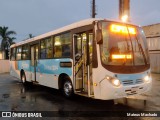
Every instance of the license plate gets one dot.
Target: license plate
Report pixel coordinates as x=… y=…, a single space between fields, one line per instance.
x=134 y=89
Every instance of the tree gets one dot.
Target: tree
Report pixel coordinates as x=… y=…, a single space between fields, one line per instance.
x=31 y=36
x=6 y=39
x=11 y=40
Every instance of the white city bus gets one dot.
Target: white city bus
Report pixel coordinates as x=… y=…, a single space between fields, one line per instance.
x=97 y=58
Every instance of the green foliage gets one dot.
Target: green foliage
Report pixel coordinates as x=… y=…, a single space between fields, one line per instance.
x=6 y=40
x=31 y=36
x=5 y=37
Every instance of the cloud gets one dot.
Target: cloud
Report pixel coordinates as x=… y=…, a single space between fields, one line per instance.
x=40 y=16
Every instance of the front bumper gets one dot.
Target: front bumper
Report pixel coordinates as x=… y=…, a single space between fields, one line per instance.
x=108 y=91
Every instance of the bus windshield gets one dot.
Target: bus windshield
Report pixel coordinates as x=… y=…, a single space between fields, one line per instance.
x=123 y=45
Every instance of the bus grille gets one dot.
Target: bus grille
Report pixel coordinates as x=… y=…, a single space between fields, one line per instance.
x=132 y=82
x=130 y=92
x=127 y=82
x=138 y=81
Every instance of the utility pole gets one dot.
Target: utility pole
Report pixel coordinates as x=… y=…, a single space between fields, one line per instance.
x=93 y=9
x=124 y=10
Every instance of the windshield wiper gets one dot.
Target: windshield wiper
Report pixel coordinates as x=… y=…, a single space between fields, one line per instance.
x=140 y=47
x=131 y=44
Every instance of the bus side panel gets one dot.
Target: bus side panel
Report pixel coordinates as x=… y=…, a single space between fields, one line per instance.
x=25 y=65
x=14 y=69
x=99 y=74
x=49 y=70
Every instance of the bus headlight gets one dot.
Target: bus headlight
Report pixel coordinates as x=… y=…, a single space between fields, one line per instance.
x=146 y=79
x=114 y=81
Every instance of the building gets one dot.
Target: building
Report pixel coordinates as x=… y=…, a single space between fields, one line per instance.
x=2 y=55
x=152 y=33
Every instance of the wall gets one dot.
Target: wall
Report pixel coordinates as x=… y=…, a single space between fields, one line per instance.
x=154 y=43
x=4 y=66
x=152 y=33
x=0 y=55
x=155 y=61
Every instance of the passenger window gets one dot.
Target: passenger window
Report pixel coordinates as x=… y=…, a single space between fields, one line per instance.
x=90 y=44
x=62 y=45
x=47 y=48
x=57 y=47
x=43 y=49
x=78 y=45
x=18 y=53
x=25 y=52
x=13 y=54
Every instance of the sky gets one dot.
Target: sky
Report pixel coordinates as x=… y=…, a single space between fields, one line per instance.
x=40 y=16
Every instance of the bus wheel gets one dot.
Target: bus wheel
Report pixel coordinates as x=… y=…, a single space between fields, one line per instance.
x=23 y=78
x=67 y=89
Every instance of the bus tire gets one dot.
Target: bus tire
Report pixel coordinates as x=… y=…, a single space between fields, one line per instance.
x=23 y=78
x=67 y=88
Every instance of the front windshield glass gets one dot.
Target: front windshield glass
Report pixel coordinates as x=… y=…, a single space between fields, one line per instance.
x=123 y=45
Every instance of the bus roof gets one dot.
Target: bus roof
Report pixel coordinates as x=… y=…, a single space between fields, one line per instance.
x=63 y=29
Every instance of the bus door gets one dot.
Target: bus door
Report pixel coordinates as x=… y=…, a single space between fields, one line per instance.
x=34 y=61
x=81 y=56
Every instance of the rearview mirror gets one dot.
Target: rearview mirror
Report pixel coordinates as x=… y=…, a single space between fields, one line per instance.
x=99 y=36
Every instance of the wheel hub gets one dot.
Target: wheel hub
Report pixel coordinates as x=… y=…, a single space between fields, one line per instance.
x=67 y=88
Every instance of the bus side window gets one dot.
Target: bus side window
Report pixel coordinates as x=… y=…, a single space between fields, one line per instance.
x=57 y=47
x=13 y=54
x=43 y=49
x=62 y=45
x=25 y=51
x=78 y=45
x=18 y=53
x=49 y=48
x=66 y=50
x=66 y=46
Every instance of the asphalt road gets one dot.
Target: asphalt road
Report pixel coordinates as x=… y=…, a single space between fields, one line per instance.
x=16 y=97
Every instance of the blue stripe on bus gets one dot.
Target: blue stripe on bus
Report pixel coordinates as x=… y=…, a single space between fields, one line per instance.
x=52 y=66
x=133 y=79
x=47 y=66
x=25 y=65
